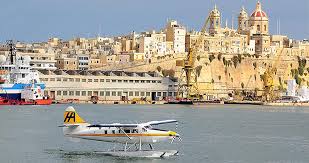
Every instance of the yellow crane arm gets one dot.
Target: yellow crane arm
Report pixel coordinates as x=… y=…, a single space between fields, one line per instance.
x=191 y=57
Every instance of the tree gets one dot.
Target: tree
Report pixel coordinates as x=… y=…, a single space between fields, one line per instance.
x=198 y=57
x=254 y=65
x=159 y=68
x=211 y=58
x=219 y=56
x=235 y=61
x=198 y=70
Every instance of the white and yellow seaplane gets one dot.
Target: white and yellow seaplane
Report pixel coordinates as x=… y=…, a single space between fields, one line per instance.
x=133 y=136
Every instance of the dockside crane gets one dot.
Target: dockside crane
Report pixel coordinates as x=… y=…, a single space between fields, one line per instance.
x=188 y=86
x=269 y=78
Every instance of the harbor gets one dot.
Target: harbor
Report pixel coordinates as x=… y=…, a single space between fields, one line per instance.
x=209 y=133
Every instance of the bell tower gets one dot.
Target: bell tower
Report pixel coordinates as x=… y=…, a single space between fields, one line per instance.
x=243 y=21
x=215 y=19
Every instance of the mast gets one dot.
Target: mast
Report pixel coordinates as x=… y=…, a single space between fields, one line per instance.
x=12 y=49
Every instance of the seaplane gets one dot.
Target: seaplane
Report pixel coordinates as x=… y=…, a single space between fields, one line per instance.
x=133 y=136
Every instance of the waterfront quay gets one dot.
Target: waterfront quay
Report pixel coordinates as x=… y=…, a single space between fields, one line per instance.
x=83 y=86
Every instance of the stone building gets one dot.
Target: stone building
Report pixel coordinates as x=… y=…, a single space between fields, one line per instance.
x=176 y=33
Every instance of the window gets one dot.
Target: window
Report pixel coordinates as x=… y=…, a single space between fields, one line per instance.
x=77 y=93
x=131 y=81
x=142 y=81
x=159 y=81
x=83 y=93
x=164 y=94
x=89 y=80
x=148 y=81
x=58 y=79
x=101 y=93
x=71 y=93
x=77 y=80
x=119 y=93
x=96 y=80
x=170 y=93
x=65 y=93
x=136 y=93
x=65 y=79
x=101 y=80
x=130 y=93
x=113 y=93
x=83 y=80
x=258 y=28
x=71 y=79
x=142 y=93
x=127 y=131
x=136 y=81
x=119 y=81
x=265 y=27
x=105 y=131
x=125 y=81
x=114 y=81
x=159 y=93
x=107 y=93
x=89 y=93
x=113 y=131
x=59 y=93
x=108 y=80
x=147 y=93
x=52 y=79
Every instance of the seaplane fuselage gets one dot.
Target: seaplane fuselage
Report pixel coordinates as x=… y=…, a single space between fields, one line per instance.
x=74 y=126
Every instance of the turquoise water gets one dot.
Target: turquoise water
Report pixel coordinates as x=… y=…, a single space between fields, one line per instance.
x=210 y=133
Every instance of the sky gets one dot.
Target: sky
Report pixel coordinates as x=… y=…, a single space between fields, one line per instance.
x=38 y=20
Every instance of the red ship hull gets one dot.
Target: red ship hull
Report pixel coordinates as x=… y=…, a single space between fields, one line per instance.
x=4 y=101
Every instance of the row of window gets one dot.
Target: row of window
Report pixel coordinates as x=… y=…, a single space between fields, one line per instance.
x=100 y=80
x=120 y=131
x=113 y=93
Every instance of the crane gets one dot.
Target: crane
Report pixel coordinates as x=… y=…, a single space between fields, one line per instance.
x=189 y=87
x=269 y=75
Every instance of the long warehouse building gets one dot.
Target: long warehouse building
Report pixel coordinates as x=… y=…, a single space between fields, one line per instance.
x=107 y=85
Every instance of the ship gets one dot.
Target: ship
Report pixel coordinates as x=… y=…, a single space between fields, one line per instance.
x=19 y=84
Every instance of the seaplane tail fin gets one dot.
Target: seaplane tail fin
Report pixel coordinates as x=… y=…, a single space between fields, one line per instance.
x=71 y=117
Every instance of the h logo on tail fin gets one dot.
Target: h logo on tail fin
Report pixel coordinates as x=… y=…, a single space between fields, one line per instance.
x=69 y=116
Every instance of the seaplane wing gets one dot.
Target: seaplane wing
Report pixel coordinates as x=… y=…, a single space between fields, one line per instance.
x=113 y=125
x=152 y=123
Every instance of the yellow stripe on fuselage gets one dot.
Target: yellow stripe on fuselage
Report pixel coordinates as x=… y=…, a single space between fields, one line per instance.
x=123 y=135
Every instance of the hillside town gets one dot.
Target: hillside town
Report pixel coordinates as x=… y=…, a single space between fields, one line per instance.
x=145 y=57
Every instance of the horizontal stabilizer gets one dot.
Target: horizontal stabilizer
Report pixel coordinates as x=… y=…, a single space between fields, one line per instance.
x=69 y=125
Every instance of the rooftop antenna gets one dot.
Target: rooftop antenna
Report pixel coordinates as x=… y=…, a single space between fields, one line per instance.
x=233 y=21
x=279 y=27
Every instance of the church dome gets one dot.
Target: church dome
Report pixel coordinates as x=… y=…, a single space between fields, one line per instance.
x=259 y=13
